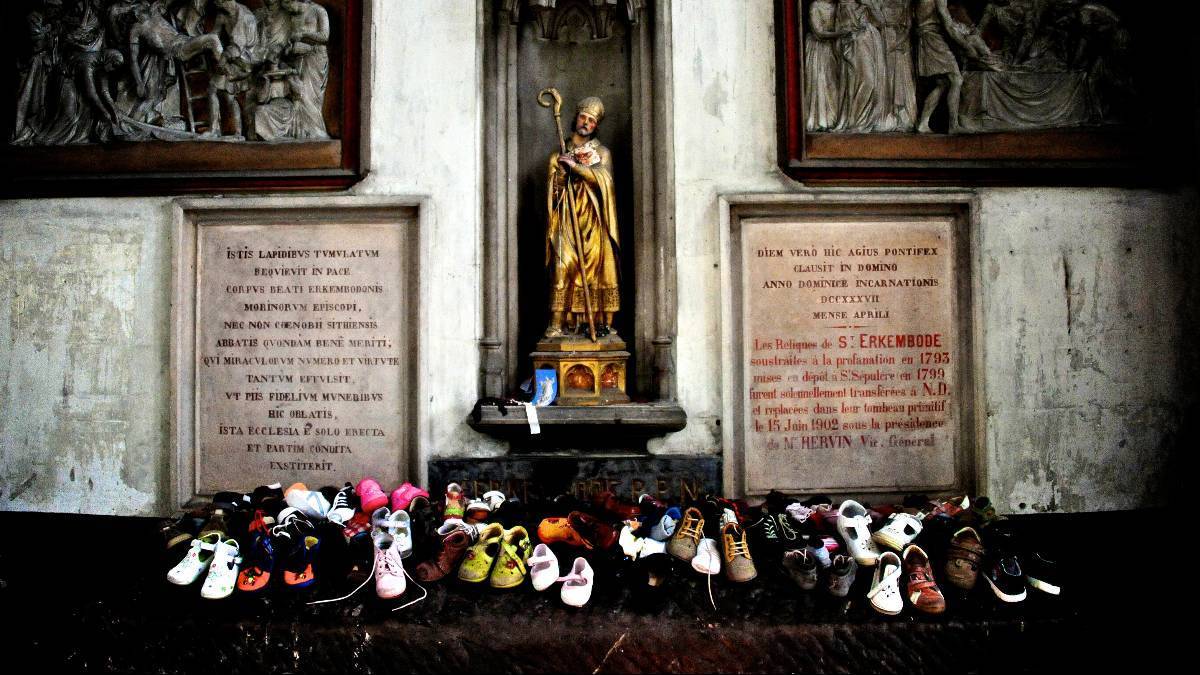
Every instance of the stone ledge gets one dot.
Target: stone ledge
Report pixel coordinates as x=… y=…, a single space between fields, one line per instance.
x=581 y=426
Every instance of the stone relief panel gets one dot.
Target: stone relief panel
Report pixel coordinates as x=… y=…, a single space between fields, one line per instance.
x=965 y=66
x=99 y=71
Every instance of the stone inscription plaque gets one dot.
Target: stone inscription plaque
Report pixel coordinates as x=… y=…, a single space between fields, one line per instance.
x=298 y=354
x=850 y=355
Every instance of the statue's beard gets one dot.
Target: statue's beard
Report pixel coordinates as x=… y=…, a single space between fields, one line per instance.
x=585 y=132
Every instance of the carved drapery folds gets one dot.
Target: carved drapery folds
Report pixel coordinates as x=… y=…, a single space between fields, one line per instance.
x=986 y=65
x=95 y=71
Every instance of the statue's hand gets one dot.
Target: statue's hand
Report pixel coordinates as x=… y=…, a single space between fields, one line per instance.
x=567 y=160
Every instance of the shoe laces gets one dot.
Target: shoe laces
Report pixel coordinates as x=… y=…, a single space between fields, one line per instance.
x=342 y=499
x=692 y=528
x=768 y=526
x=789 y=532
x=738 y=546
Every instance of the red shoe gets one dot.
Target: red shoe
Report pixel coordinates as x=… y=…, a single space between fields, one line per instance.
x=599 y=534
x=607 y=501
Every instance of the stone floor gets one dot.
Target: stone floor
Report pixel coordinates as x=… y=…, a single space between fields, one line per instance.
x=86 y=594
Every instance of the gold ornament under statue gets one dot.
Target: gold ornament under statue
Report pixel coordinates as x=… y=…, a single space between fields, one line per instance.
x=582 y=247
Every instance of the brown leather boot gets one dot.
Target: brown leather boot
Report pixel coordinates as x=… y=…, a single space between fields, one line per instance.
x=454 y=546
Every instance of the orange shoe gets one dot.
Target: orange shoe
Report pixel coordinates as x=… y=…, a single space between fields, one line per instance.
x=553 y=530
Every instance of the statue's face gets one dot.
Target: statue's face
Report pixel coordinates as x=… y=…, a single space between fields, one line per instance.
x=585 y=124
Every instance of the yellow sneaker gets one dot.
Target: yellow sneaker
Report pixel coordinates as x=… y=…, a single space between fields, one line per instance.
x=479 y=558
x=510 y=569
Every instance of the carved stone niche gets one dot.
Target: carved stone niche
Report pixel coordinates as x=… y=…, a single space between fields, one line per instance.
x=618 y=50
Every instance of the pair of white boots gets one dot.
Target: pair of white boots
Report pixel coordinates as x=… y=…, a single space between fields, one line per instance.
x=220 y=558
x=576 y=586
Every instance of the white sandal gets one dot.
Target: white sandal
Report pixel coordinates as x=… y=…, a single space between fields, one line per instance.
x=196 y=561
x=885 y=586
x=899 y=531
x=222 y=571
x=854 y=524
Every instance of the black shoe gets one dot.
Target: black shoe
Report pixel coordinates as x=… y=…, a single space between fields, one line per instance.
x=269 y=498
x=1041 y=572
x=511 y=513
x=1003 y=571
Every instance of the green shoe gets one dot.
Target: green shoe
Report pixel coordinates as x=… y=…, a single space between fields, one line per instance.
x=510 y=569
x=479 y=558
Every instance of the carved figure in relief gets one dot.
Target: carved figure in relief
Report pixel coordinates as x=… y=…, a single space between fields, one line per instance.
x=190 y=17
x=238 y=30
x=900 y=95
x=822 y=68
x=864 y=68
x=99 y=70
x=309 y=35
x=934 y=59
x=156 y=32
x=582 y=240
x=85 y=109
x=1103 y=53
x=32 y=91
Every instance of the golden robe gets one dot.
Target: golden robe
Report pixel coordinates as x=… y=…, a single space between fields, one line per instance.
x=596 y=212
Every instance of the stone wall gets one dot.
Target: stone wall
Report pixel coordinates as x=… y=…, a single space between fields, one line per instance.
x=1082 y=290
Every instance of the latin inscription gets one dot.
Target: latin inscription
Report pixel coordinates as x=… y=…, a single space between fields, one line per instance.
x=298 y=354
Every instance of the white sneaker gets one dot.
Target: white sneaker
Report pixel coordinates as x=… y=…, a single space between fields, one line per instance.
x=495 y=499
x=341 y=511
x=577 y=586
x=885 y=586
x=196 y=561
x=708 y=559
x=854 y=524
x=309 y=502
x=222 y=571
x=389 y=570
x=543 y=567
x=898 y=532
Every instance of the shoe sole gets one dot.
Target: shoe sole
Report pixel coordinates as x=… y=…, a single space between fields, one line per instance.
x=1001 y=594
x=886 y=540
x=885 y=612
x=1043 y=586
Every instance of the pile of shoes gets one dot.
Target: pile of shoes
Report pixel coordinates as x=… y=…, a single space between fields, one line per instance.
x=966 y=536
x=290 y=539
x=293 y=539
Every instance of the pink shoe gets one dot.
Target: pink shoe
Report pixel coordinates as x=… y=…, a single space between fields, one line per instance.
x=370 y=495
x=402 y=496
